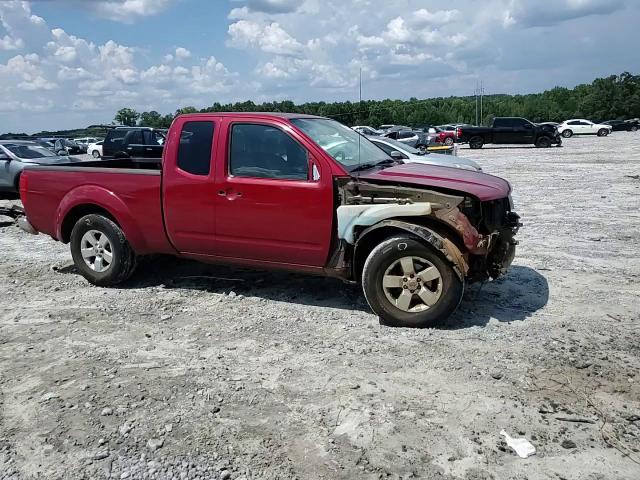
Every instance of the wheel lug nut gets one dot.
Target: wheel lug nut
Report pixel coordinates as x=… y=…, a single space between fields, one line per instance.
x=405 y=287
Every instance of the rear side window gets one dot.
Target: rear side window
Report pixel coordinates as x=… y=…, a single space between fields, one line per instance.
x=262 y=151
x=194 y=153
x=502 y=122
x=115 y=137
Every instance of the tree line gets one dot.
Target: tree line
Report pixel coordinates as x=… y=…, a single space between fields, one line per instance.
x=613 y=97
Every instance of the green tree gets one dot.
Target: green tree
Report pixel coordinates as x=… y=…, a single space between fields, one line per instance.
x=127 y=116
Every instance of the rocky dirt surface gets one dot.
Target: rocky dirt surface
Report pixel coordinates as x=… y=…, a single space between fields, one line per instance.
x=193 y=371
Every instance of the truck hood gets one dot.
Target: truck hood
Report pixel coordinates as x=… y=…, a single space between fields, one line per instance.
x=480 y=185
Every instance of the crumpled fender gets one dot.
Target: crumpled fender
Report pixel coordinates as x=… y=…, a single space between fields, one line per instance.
x=440 y=243
x=109 y=201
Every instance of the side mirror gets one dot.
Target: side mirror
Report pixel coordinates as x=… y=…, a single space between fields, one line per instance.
x=396 y=155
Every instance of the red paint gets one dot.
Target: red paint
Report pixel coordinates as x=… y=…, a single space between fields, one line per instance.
x=484 y=187
x=249 y=221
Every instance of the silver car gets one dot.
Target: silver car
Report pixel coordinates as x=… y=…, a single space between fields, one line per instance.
x=413 y=155
x=16 y=154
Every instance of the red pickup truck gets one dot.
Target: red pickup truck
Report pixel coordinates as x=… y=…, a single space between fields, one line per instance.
x=288 y=191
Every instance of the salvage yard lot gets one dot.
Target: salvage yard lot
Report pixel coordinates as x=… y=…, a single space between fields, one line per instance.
x=212 y=372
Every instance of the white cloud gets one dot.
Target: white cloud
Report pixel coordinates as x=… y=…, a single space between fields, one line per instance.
x=297 y=50
x=127 y=11
x=182 y=53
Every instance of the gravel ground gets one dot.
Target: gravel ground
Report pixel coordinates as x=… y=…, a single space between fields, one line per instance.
x=195 y=371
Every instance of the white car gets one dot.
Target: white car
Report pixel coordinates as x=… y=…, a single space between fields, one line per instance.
x=366 y=130
x=95 y=149
x=580 y=126
x=413 y=155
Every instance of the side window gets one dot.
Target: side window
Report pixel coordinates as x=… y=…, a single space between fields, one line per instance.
x=574 y=123
x=194 y=153
x=502 y=122
x=115 y=137
x=149 y=137
x=133 y=137
x=262 y=151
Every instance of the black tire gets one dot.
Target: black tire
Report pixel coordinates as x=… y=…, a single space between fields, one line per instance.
x=567 y=134
x=543 y=142
x=422 y=148
x=476 y=142
x=95 y=154
x=634 y=129
x=449 y=141
x=603 y=132
x=123 y=257
x=392 y=250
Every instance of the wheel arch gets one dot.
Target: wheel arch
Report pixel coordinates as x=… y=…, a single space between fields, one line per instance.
x=89 y=200
x=437 y=236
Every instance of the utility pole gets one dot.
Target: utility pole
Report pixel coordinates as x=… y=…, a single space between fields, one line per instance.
x=475 y=92
x=481 y=98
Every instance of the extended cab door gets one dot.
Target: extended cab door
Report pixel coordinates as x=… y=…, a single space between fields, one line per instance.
x=275 y=199
x=502 y=130
x=188 y=188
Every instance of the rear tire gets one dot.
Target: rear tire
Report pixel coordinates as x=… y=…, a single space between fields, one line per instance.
x=567 y=134
x=100 y=251
x=448 y=141
x=386 y=265
x=543 y=142
x=95 y=154
x=603 y=132
x=634 y=129
x=476 y=142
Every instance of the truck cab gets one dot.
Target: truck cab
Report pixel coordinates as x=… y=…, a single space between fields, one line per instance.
x=287 y=191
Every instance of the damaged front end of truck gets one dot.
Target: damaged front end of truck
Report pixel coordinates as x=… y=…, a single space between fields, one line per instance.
x=476 y=237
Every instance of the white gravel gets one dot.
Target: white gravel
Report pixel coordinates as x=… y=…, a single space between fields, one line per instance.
x=211 y=372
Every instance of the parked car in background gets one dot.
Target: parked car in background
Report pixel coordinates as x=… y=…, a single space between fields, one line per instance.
x=623 y=125
x=413 y=155
x=510 y=130
x=261 y=190
x=366 y=130
x=64 y=146
x=580 y=126
x=16 y=154
x=95 y=149
x=412 y=138
x=85 y=141
x=443 y=137
x=133 y=142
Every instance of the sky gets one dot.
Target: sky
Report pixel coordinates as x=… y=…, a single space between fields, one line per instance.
x=72 y=63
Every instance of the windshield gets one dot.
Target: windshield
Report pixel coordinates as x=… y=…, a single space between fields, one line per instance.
x=348 y=147
x=402 y=147
x=28 y=151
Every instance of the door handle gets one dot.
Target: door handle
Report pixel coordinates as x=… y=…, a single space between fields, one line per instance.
x=229 y=194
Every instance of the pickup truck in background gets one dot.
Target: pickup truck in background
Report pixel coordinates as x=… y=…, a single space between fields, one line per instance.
x=288 y=191
x=510 y=130
x=133 y=142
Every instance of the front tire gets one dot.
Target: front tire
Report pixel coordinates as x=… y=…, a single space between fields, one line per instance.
x=567 y=134
x=100 y=251
x=603 y=132
x=543 y=142
x=448 y=141
x=95 y=154
x=476 y=142
x=409 y=284
x=634 y=129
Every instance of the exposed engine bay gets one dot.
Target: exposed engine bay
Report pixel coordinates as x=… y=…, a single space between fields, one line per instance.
x=482 y=233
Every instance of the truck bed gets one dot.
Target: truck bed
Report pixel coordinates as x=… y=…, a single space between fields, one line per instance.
x=127 y=189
